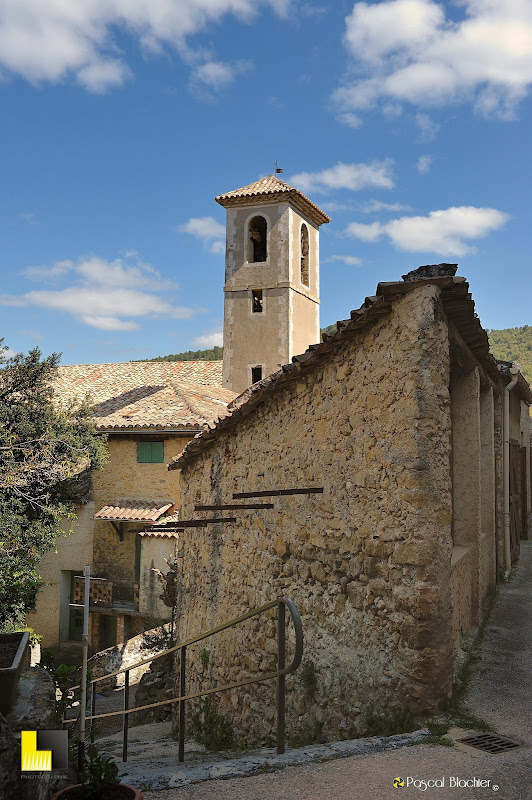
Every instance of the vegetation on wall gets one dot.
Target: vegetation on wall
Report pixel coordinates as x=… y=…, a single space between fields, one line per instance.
x=40 y=447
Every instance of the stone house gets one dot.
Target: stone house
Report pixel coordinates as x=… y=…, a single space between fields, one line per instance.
x=399 y=418
x=148 y=411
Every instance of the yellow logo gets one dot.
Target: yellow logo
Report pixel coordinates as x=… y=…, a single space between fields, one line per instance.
x=43 y=751
x=398 y=783
x=33 y=760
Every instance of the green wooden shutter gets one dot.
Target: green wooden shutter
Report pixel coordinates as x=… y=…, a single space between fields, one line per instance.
x=150 y=452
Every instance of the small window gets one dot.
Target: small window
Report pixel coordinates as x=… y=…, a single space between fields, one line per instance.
x=256 y=374
x=257 y=240
x=150 y=452
x=304 y=256
x=256 y=303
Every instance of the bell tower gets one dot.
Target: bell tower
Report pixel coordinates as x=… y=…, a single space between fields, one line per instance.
x=271 y=309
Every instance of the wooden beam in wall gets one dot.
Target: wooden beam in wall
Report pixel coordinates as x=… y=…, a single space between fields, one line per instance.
x=229 y=506
x=277 y=492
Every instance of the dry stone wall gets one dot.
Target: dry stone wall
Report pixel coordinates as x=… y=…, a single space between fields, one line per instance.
x=367 y=562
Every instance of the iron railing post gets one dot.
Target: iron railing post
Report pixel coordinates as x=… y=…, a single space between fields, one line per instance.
x=281 y=681
x=93 y=709
x=182 y=689
x=126 y=716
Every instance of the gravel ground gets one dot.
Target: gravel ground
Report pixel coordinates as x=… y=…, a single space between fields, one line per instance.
x=501 y=694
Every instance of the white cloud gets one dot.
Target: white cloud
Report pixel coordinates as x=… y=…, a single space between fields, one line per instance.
x=108 y=295
x=374 y=206
x=444 y=232
x=377 y=174
x=350 y=119
x=6 y=352
x=29 y=217
x=428 y=127
x=365 y=232
x=424 y=164
x=332 y=206
x=208 y=230
x=353 y=261
x=210 y=339
x=216 y=75
x=217 y=248
x=409 y=51
x=54 y=40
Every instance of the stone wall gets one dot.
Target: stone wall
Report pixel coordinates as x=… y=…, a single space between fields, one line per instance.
x=368 y=562
x=34 y=710
x=155 y=685
x=136 y=649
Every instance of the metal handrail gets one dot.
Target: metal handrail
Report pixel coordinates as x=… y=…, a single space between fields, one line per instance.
x=279 y=674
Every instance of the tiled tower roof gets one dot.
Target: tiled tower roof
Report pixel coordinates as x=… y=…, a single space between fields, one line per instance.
x=271 y=189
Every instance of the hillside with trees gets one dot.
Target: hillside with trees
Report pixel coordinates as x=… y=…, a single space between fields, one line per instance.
x=514 y=344
x=216 y=354
x=509 y=344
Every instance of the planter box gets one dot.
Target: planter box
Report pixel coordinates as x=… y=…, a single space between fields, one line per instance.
x=18 y=643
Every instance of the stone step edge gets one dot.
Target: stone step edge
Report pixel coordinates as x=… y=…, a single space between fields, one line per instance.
x=251 y=765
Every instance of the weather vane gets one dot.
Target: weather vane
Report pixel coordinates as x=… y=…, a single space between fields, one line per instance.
x=278 y=170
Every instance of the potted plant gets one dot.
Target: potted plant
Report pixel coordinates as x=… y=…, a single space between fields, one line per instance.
x=13 y=657
x=99 y=781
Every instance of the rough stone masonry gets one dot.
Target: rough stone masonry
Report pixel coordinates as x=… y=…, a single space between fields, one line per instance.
x=367 y=562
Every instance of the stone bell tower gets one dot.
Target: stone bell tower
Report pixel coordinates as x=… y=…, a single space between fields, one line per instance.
x=271 y=287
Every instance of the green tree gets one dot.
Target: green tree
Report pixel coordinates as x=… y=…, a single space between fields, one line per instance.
x=41 y=445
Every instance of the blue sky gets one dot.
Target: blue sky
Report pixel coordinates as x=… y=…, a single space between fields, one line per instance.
x=407 y=121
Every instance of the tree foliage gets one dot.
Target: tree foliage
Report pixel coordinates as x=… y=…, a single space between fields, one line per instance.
x=41 y=445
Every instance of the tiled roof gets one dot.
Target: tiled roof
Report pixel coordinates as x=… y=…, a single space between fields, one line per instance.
x=161 y=395
x=159 y=534
x=134 y=510
x=269 y=189
x=77 y=489
x=457 y=302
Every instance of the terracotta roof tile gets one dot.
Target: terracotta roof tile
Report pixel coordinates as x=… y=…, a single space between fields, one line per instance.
x=272 y=188
x=158 y=395
x=134 y=510
x=77 y=489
